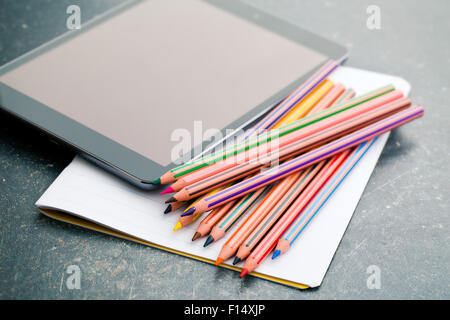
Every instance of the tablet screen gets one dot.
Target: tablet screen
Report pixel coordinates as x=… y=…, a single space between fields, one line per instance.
x=159 y=66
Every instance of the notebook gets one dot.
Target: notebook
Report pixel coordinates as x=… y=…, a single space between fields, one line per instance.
x=87 y=196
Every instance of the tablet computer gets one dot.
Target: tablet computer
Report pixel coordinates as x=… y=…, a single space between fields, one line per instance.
x=118 y=89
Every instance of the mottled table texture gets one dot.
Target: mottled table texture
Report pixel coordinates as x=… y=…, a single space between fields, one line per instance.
x=401 y=224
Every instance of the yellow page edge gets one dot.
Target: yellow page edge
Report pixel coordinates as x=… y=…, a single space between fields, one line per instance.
x=69 y=218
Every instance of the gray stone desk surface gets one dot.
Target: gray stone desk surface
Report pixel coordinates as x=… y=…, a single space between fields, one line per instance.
x=401 y=224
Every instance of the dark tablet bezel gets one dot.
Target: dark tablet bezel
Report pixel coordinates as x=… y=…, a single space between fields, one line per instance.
x=115 y=157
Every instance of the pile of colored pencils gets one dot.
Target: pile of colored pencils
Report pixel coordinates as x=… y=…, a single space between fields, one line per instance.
x=315 y=136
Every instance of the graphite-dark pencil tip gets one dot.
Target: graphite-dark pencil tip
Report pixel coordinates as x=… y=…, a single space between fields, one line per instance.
x=208 y=241
x=196 y=236
x=171 y=199
x=168 y=209
x=236 y=260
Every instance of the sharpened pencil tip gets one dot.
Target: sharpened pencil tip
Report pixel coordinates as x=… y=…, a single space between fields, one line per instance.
x=218 y=261
x=188 y=212
x=276 y=254
x=177 y=226
x=208 y=241
x=196 y=236
x=168 y=190
x=171 y=199
x=156 y=181
x=236 y=260
x=243 y=273
x=168 y=209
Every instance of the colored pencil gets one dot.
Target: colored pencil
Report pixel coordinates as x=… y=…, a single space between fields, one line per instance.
x=268 y=242
x=310 y=211
x=268 y=136
x=305 y=139
x=300 y=162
